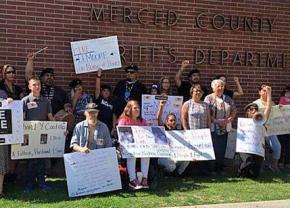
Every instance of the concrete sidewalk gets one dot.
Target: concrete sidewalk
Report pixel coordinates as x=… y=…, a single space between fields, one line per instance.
x=261 y=204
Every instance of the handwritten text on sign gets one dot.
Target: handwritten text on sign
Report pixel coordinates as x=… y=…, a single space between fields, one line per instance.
x=190 y=145
x=90 y=55
x=250 y=137
x=279 y=120
x=42 y=139
x=150 y=104
x=143 y=141
x=91 y=173
x=11 y=122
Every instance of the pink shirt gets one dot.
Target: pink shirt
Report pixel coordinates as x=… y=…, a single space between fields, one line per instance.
x=130 y=122
x=284 y=100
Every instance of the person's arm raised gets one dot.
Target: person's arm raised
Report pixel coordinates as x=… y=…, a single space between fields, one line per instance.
x=178 y=75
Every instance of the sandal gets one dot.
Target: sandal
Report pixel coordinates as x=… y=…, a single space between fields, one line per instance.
x=145 y=183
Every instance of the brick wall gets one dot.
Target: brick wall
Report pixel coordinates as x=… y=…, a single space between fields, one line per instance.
x=26 y=26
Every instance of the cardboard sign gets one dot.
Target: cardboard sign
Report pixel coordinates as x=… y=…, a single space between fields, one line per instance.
x=42 y=139
x=279 y=120
x=11 y=122
x=92 y=173
x=143 y=141
x=250 y=137
x=90 y=55
x=150 y=105
x=190 y=145
x=231 y=144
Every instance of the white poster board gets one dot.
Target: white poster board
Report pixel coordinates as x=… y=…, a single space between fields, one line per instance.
x=42 y=139
x=150 y=105
x=92 y=173
x=250 y=137
x=231 y=144
x=190 y=145
x=90 y=55
x=279 y=120
x=143 y=141
x=11 y=122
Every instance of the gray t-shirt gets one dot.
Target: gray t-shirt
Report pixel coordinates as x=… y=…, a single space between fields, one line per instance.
x=36 y=108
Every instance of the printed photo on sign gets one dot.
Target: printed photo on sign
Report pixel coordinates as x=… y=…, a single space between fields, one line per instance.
x=126 y=135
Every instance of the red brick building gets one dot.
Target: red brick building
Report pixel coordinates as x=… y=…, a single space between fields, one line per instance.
x=248 y=39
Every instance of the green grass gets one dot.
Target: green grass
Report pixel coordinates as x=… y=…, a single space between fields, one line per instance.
x=169 y=192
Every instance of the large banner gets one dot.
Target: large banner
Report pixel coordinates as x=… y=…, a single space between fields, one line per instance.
x=90 y=55
x=190 y=145
x=279 y=120
x=250 y=137
x=94 y=172
x=42 y=139
x=150 y=104
x=11 y=122
x=143 y=141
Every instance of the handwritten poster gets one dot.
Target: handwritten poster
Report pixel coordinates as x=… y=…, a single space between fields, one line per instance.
x=90 y=55
x=250 y=137
x=11 y=122
x=143 y=141
x=42 y=139
x=279 y=120
x=190 y=145
x=150 y=105
x=92 y=173
x=231 y=144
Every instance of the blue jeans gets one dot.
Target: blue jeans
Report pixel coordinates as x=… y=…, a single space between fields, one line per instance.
x=35 y=168
x=274 y=143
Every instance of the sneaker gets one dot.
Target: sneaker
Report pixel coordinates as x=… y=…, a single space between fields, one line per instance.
x=45 y=187
x=27 y=189
x=134 y=185
x=145 y=183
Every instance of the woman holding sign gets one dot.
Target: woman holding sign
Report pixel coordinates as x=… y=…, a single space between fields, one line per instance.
x=222 y=112
x=131 y=117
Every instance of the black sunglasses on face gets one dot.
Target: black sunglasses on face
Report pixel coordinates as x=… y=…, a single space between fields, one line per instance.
x=10 y=72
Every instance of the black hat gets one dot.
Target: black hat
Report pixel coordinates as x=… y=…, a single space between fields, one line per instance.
x=131 y=68
x=92 y=107
x=251 y=105
x=74 y=83
x=154 y=86
x=106 y=86
x=46 y=71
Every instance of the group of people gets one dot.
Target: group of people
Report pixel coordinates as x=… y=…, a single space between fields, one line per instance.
x=97 y=116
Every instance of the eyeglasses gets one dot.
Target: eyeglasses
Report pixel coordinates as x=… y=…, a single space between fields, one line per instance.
x=10 y=72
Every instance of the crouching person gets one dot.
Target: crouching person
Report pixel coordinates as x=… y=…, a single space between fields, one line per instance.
x=36 y=108
x=91 y=133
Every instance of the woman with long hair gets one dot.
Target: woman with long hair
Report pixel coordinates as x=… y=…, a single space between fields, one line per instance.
x=131 y=117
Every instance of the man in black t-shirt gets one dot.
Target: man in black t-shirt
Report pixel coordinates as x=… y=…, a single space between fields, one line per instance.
x=128 y=89
x=183 y=87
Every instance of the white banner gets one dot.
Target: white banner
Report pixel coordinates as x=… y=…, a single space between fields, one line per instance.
x=279 y=120
x=42 y=139
x=90 y=55
x=11 y=122
x=250 y=137
x=150 y=104
x=91 y=173
x=143 y=141
x=231 y=144
x=191 y=145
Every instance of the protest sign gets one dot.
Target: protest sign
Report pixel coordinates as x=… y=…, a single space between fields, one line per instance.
x=250 y=137
x=231 y=144
x=143 y=141
x=90 y=55
x=92 y=173
x=279 y=120
x=150 y=104
x=11 y=122
x=42 y=139
x=190 y=145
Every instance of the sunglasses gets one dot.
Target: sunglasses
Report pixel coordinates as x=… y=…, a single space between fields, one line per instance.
x=131 y=72
x=10 y=72
x=252 y=109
